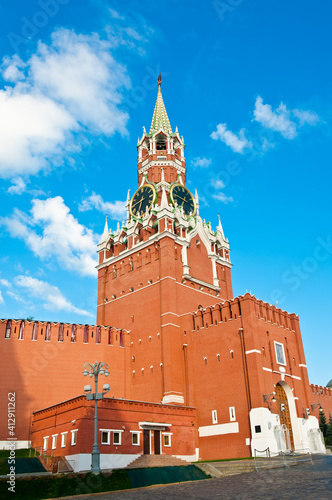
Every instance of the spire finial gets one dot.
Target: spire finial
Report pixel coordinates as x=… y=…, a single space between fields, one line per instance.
x=160 y=119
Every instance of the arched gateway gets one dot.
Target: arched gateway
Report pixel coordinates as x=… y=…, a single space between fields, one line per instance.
x=283 y=409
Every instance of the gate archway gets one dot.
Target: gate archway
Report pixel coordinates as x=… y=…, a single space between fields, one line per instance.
x=283 y=408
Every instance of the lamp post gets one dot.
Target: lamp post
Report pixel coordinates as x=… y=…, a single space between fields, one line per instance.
x=94 y=370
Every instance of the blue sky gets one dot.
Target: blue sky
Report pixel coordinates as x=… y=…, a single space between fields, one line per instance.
x=248 y=85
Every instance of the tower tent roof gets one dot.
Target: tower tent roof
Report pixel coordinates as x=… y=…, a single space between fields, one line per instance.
x=160 y=119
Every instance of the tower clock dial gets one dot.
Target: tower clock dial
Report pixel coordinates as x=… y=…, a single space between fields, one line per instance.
x=142 y=200
x=183 y=198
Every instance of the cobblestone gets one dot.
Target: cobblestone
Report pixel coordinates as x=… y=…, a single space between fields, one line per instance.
x=303 y=481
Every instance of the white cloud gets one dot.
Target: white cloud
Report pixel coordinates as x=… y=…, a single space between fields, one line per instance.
x=115 y=14
x=4 y=282
x=1 y=298
x=116 y=209
x=50 y=295
x=306 y=117
x=12 y=68
x=71 y=86
x=16 y=297
x=18 y=186
x=218 y=184
x=277 y=120
x=222 y=197
x=219 y=195
x=280 y=121
x=51 y=232
x=201 y=162
x=238 y=143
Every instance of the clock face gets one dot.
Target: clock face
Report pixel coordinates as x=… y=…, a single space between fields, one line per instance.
x=142 y=200
x=183 y=198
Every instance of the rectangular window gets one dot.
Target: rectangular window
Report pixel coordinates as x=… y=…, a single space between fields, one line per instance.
x=21 y=331
x=167 y=440
x=121 y=339
x=258 y=429
x=60 y=333
x=8 y=329
x=109 y=336
x=63 y=439
x=35 y=331
x=98 y=335
x=280 y=353
x=45 y=445
x=73 y=437
x=105 y=437
x=232 y=416
x=117 y=438
x=54 y=441
x=135 y=436
x=214 y=417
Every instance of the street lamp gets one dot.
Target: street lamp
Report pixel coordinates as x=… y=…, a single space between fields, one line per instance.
x=95 y=370
x=266 y=397
x=317 y=405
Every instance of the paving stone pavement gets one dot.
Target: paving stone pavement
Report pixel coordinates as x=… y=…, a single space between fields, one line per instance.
x=304 y=481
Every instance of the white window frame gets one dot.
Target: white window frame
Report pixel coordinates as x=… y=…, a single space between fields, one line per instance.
x=232 y=416
x=169 y=435
x=108 y=433
x=113 y=430
x=74 y=437
x=45 y=443
x=214 y=417
x=63 y=439
x=283 y=352
x=54 y=441
x=119 y=443
x=138 y=433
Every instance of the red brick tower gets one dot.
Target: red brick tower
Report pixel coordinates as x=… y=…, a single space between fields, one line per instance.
x=164 y=262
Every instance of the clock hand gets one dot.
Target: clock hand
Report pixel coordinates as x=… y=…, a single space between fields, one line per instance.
x=184 y=200
x=139 y=209
x=134 y=205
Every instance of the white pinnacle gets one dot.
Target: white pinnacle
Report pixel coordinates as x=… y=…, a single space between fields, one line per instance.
x=163 y=202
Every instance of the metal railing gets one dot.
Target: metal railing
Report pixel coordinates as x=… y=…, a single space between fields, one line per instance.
x=265 y=459
x=64 y=465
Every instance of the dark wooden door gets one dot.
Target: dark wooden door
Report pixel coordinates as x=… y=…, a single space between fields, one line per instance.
x=146 y=442
x=157 y=442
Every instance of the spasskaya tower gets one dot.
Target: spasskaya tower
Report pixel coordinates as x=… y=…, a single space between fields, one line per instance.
x=161 y=264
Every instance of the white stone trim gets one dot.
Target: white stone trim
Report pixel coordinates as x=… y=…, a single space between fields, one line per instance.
x=135 y=291
x=253 y=350
x=172 y=398
x=73 y=437
x=303 y=366
x=150 y=426
x=199 y=291
x=218 y=430
x=172 y=324
x=201 y=282
x=267 y=369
